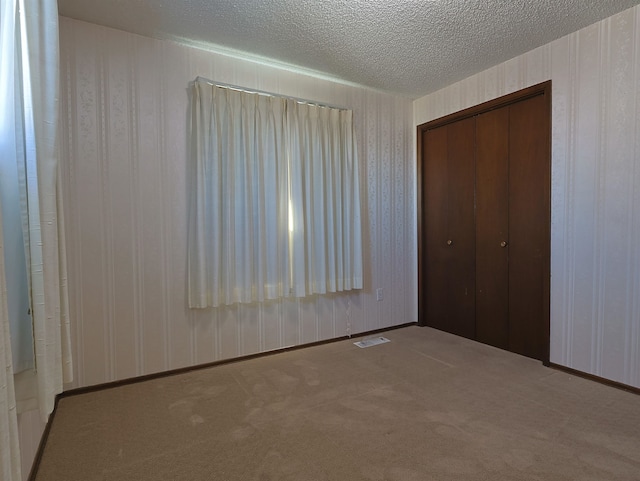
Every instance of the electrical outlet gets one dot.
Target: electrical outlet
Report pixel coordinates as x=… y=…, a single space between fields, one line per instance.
x=379 y=294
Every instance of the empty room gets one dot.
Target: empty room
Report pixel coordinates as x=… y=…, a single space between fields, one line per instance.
x=333 y=240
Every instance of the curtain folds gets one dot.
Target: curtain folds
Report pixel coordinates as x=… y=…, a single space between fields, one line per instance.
x=327 y=246
x=30 y=103
x=238 y=238
x=43 y=212
x=275 y=198
x=10 y=466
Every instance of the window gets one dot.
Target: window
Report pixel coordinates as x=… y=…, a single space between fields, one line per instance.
x=275 y=198
x=17 y=142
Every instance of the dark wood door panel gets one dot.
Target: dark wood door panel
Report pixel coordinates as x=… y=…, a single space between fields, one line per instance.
x=529 y=217
x=462 y=235
x=449 y=227
x=436 y=255
x=492 y=228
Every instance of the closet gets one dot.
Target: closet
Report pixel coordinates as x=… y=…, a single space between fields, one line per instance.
x=484 y=222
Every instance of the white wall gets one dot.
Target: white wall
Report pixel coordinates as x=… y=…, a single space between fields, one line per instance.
x=595 y=213
x=124 y=109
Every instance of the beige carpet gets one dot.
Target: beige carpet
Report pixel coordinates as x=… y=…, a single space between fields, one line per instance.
x=425 y=406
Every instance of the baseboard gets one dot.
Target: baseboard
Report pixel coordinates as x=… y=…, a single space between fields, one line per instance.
x=182 y=370
x=174 y=372
x=593 y=377
x=43 y=441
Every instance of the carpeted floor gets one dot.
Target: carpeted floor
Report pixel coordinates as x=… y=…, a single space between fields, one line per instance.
x=425 y=406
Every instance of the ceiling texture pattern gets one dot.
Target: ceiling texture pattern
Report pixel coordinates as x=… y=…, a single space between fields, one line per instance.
x=408 y=47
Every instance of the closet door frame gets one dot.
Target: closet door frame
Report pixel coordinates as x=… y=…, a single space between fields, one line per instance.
x=543 y=88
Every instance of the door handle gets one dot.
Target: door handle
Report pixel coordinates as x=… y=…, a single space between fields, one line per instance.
x=449 y=242
x=504 y=244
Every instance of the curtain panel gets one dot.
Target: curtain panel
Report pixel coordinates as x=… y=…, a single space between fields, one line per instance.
x=30 y=93
x=10 y=467
x=325 y=199
x=238 y=237
x=42 y=213
x=275 y=198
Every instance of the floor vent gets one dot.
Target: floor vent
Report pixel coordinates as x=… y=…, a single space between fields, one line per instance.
x=371 y=342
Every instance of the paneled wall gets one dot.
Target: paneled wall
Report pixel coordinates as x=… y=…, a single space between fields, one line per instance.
x=595 y=225
x=124 y=116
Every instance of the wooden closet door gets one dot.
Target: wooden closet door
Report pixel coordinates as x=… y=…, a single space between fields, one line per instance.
x=449 y=265
x=529 y=224
x=485 y=186
x=492 y=228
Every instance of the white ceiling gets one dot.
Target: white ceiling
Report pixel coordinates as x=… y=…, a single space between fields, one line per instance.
x=410 y=47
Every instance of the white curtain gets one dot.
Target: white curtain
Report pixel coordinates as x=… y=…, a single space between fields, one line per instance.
x=325 y=199
x=44 y=215
x=238 y=236
x=31 y=101
x=9 y=441
x=275 y=206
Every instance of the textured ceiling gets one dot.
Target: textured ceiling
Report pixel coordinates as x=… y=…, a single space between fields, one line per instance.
x=410 y=47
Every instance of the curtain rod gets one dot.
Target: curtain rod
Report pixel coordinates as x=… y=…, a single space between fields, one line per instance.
x=269 y=94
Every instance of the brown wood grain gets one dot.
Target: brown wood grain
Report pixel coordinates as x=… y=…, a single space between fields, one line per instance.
x=492 y=228
x=528 y=225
